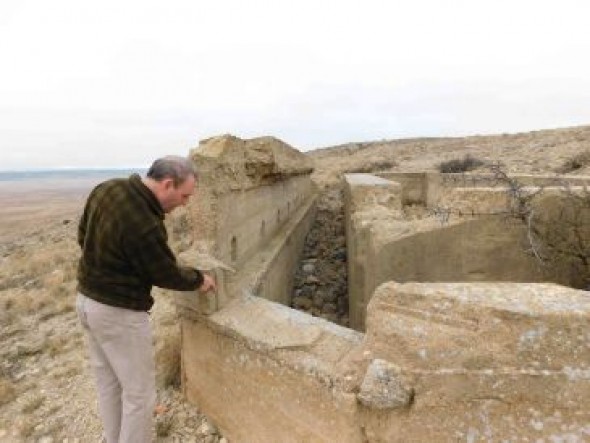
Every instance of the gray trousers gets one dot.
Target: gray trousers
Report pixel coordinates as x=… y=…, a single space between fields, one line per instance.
x=122 y=357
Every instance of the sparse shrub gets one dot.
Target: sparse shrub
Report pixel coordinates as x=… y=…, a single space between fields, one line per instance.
x=467 y=163
x=26 y=426
x=7 y=391
x=558 y=227
x=32 y=403
x=29 y=348
x=382 y=165
x=59 y=291
x=562 y=228
x=578 y=161
x=58 y=307
x=57 y=345
x=70 y=267
x=164 y=424
x=67 y=372
x=29 y=385
x=372 y=166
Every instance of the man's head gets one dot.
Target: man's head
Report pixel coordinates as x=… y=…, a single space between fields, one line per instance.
x=172 y=180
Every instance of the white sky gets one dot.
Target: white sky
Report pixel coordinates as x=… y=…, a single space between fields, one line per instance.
x=116 y=83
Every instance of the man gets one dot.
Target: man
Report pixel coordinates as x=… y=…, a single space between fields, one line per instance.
x=124 y=254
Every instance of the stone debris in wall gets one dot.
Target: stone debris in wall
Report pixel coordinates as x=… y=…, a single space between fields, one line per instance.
x=383 y=387
x=320 y=286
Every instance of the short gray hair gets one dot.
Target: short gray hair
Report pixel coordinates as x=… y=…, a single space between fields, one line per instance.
x=172 y=166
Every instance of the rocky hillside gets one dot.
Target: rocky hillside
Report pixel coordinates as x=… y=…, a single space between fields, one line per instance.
x=545 y=151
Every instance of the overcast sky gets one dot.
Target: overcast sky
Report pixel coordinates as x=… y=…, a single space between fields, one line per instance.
x=117 y=83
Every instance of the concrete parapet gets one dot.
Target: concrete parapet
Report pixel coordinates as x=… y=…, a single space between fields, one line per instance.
x=487 y=180
x=264 y=372
x=366 y=191
x=481 y=325
x=368 y=200
x=252 y=203
x=497 y=200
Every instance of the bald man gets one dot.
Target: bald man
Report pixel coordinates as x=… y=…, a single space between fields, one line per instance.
x=124 y=254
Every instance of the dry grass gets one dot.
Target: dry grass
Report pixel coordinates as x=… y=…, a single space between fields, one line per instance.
x=32 y=403
x=41 y=265
x=21 y=302
x=168 y=360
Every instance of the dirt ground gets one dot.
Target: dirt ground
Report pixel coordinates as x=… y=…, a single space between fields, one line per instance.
x=46 y=388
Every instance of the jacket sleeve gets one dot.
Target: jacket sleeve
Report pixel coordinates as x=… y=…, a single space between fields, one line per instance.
x=151 y=257
x=82 y=228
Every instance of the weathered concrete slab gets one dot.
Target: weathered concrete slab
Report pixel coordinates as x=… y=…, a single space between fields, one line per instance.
x=369 y=191
x=482 y=325
x=489 y=361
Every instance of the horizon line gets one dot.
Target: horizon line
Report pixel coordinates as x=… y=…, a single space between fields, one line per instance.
x=75 y=168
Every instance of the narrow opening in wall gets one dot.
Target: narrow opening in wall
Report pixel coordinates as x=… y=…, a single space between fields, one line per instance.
x=234 y=249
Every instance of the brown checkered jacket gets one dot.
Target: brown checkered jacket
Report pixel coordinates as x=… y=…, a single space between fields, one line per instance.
x=124 y=247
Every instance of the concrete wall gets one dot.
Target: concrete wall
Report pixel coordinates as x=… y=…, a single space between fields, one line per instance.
x=438 y=361
x=267 y=373
x=484 y=362
x=483 y=249
x=414 y=185
x=367 y=199
x=467 y=235
x=277 y=264
x=247 y=220
x=253 y=206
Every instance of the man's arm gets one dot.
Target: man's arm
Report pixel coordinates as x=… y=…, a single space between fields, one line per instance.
x=151 y=257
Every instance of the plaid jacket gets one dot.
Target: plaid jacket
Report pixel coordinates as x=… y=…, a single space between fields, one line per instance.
x=124 y=249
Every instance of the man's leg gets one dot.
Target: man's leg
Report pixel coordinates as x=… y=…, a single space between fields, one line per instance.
x=107 y=385
x=125 y=338
x=137 y=374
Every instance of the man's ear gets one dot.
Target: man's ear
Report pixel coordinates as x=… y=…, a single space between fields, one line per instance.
x=168 y=184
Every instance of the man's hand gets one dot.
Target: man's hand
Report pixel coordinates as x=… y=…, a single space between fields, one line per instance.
x=208 y=284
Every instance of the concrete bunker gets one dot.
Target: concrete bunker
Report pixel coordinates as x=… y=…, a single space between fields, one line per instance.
x=430 y=227
x=428 y=361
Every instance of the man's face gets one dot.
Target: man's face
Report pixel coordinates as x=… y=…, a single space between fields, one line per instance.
x=172 y=196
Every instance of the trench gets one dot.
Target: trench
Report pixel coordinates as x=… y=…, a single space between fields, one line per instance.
x=492 y=248
x=320 y=284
